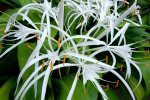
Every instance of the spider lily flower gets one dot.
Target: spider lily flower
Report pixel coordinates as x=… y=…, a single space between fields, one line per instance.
x=90 y=72
x=85 y=9
x=124 y=51
x=52 y=58
x=21 y=34
x=120 y=19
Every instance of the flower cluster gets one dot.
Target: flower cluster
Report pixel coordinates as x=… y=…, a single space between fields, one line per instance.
x=103 y=16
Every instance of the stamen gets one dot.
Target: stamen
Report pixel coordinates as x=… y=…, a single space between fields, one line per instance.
x=146 y=57
x=36 y=36
x=121 y=67
x=78 y=75
x=51 y=66
x=134 y=11
x=147 y=44
x=146 y=53
x=132 y=14
x=58 y=42
x=148 y=65
x=1 y=46
x=124 y=3
x=128 y=7
x=28 y=46
x=107 y=87
x=4 y=31
x=42 y=66
x=64 y=60
x=84 y=92
x=117 y=84
x=106 y=59
x=140 y=12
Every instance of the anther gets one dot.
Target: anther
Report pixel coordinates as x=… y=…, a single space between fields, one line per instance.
x=107 y=87
x=121 y=67
x=51 y=66
x=132 y=14
x=148 y=65
x=4 y=31
x=36 y=36
x=146 y=53
x=78 y=75
x=147 y=44
x=117 y=84
x=84 y=92
x=42 y=66
x=128 y=7
x=124 y=3
x=106 y=59
x=64 y=60
x=146 y=57
x=28 y=46
x=140 y=12
x=58 y=42
x=1 y=46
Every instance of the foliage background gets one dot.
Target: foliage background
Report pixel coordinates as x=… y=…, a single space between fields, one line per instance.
x=59 y=85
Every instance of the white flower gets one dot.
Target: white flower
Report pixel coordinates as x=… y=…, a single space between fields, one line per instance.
x=106 y=16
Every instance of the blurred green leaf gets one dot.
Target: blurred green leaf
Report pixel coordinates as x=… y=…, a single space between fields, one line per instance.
x=6 y=88
x=6 y=15
x=25 y=2
x=146 y=19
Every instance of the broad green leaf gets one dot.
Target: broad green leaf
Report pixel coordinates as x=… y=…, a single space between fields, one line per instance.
x=23 y=55
x=144 y=64
x=6 y=88
x=139 y=92
x=146 y=19
x=63 y=88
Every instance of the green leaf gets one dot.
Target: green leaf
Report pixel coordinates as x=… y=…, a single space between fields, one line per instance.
x=139 y=92
x=6 y=88
x=144 y=63
x=11 y=57
x=146 y=19
x=6 y=15
x=111 y=94
x=8 y=3
x=23 y=55
x=25 y=2
x=63 y=88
